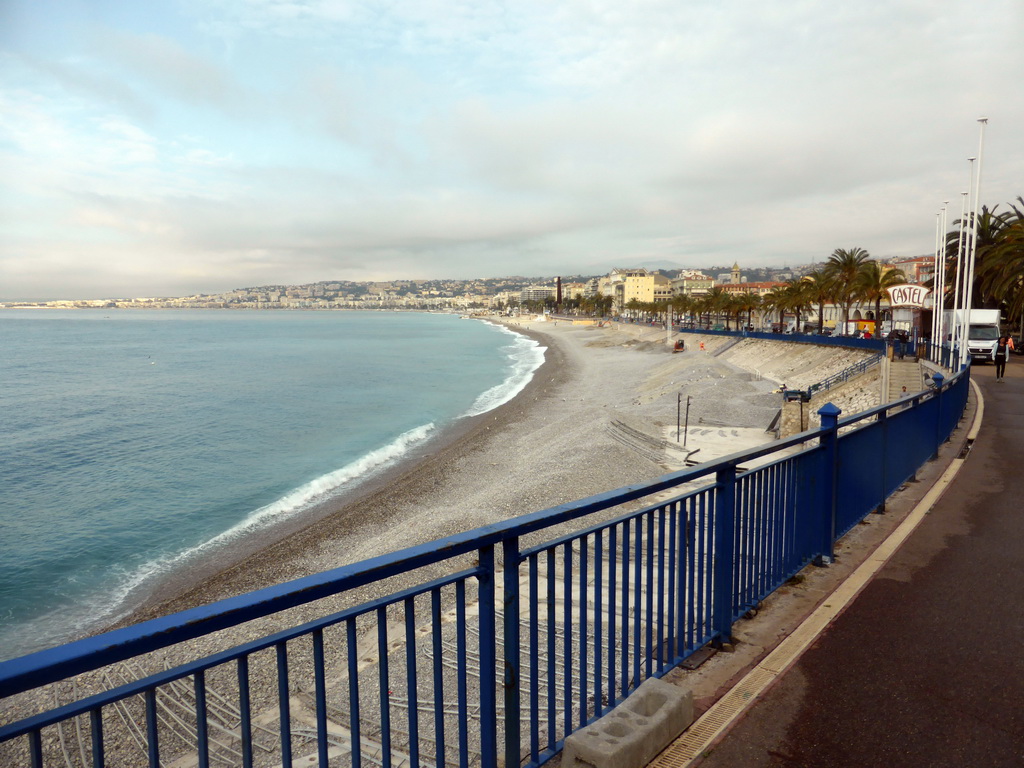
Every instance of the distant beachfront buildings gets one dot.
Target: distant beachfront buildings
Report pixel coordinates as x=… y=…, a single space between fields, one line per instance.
x=622 y=285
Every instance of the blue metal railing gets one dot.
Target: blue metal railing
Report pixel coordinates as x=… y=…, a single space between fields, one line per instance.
x=846 y=374
x=877 y=345
x=486 y=647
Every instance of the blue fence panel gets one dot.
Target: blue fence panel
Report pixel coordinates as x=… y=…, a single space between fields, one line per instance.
x=877 y=345
x=860 y=476
x=771 y=525
x=566 y=627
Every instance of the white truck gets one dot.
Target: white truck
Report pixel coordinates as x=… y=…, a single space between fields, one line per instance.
x=982 y=333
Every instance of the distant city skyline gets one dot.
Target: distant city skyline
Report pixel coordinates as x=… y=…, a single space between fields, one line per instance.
x=184 y=147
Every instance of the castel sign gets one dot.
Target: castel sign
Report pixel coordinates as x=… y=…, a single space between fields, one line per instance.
x=908 y=295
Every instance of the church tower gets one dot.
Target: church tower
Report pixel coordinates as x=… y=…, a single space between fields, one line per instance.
x=735 y=279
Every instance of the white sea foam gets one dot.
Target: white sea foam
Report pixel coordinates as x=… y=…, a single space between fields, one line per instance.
x=317 y=490
x=110 y=605
x=526 y=355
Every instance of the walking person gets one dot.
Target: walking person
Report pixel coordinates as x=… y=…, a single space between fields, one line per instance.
x=1003 y=347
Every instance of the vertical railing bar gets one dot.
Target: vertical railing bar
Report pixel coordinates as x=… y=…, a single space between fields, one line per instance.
x=760 y=518
x=437 y=650
x=672 y=633
x=740 y=547
x=765 y=502
x=638 y=603
x=410 y=678
x=689 y=594
x=758 y=521
x=35 y=748
x=383 y=685
x=598 y=621
x=245 y=711
x=352 y=643
x=567 y=637
x=702 y=575
x=776 y=492
x=320 y=692
x=512 y=665
x=534 y=659
x=152 y=737
x=488 y=659
x=284 y=704
x=551 y=717
x=462 y=667
x=662 y=644
x=612 y=594
x=649 y=653
x=583 y=633
x=738 y=560
x=202 y=732
x=96 y=729
x=624 y=683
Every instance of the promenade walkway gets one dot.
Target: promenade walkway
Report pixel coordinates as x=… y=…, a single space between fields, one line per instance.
x=926 y=666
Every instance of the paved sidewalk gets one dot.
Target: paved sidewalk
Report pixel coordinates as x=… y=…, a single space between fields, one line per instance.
x=926 y=666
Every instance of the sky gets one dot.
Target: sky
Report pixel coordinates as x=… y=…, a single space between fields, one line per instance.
x=194 y=146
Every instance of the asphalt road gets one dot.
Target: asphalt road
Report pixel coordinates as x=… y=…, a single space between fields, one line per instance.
x=926 y=666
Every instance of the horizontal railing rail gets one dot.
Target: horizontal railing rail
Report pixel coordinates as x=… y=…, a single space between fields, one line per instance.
x=878 y=345
x=487 y=647
x=858 y=368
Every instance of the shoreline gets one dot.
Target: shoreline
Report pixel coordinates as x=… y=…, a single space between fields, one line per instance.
x=564 y=437
x=234 y=568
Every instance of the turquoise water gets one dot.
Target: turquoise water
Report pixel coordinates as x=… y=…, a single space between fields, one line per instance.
x=134 y=441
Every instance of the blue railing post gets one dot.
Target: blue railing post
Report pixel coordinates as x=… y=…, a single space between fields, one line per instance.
x=510 y=573
x=725 y=524
x=488 y=660
x=883 y=456
x=938 y=379
x=829 y=442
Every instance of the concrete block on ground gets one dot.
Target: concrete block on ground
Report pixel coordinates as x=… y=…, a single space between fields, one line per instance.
x=633 y=733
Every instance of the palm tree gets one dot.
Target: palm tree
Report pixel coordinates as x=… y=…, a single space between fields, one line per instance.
x=682 y=306
x=748 y=302
x=873 y=284
x=776 y=300
x=733 y=308
x=797 y=299
x=990 y=234
x=842 y=268
x=716 y=300
x=1000 y=268
x=819 y=291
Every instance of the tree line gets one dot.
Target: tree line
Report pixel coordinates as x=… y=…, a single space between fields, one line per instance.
x=849 y=276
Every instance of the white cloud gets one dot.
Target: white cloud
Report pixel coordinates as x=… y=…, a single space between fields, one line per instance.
x=284 y=141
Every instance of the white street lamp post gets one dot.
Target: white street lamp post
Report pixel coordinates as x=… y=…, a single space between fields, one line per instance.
x=957 y=293
x=965 y=323
x=940 y=279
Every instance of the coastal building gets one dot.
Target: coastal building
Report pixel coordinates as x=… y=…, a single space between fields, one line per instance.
x=918 y=269
x=760 y=288
x=647 y=289
x=537 y=293
x=692 y=283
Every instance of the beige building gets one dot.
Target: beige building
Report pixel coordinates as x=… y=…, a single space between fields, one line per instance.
x=647 y=288
x=692 y=285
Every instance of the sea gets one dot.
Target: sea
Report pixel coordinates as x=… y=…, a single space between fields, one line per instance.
x=134 y=442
